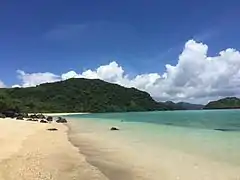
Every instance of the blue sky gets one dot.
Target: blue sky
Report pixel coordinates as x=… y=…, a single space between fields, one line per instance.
x=142 y=36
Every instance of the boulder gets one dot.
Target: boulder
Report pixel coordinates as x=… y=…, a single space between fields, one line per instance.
x=19 y=117
x=25 y=115
x=2 y=115
x=43 y=121
x=10 y=113
x=61 y=120
x=33 y=116
x=52 y=129
x=49 y=118
x=40 y=116
x=114 y=129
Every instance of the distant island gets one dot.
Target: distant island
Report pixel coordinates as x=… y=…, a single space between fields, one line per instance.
x=92 y=95
x=183 y=106
x=225 y=103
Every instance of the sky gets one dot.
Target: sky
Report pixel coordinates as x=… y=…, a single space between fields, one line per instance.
x=183 y=50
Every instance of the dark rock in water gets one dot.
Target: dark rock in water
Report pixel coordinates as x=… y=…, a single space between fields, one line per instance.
x=61 y=120
x=222 y=129
x=52 y=129
x=43 y=121
x=19 y=117
x=2 y=115
x=168 y=123
x=114 y=129
x=49 y=118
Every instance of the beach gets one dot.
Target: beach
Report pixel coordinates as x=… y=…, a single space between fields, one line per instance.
x=30 y=152
x=86 y=149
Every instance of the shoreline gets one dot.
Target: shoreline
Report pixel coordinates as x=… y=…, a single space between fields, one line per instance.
x=117 y=155
x=86 y=151
x=64 y=114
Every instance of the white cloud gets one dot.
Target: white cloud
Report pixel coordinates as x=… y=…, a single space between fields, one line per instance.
x=34 y=79
x=111 y=72
x=16 y=86
x=2 y=85
x=69 y=75
x=196 y=77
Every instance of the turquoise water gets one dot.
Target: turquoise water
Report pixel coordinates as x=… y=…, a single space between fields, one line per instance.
x=213 y=134
x=223 y=120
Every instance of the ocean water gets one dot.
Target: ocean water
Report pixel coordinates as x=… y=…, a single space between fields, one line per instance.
x=212 y=134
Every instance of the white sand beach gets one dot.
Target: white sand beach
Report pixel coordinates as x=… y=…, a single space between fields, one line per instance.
x=30 y=152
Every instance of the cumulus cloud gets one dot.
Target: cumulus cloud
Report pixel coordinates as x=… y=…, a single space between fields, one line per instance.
x=69 y=75
x=34 y=79
x=196 y=77
x=16 y=86
x=2 y=85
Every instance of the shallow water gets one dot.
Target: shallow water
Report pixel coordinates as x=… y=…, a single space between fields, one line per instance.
x=212 y=135
x=205 y=119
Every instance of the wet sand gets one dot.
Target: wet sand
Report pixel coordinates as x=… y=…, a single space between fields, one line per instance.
x=121 y=157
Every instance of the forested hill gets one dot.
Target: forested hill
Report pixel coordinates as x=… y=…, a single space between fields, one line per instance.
x=225 y=103
x=78 y=95
x=190 y=106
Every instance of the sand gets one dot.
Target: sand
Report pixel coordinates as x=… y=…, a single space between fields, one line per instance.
x=30 y=152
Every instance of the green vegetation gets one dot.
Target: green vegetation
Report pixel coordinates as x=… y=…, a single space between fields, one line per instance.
x=85 y=95
x=173 y=106
x=225 y=103
x=189 y=106
x=183 y=106
x=78 y=95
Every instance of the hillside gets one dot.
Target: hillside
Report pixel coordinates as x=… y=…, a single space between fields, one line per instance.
x=173 y=106
x=225 y=103
x=78 y=95
x=183 y=106
x=190 y=106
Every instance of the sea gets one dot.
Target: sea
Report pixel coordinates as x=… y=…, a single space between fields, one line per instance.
x=209 y=134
